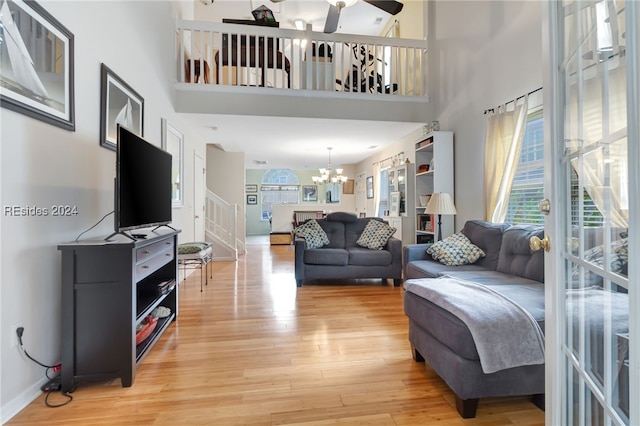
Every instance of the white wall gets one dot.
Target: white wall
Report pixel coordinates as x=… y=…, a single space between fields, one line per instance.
x=225 y=177
x=43 y=165
x=481 y=53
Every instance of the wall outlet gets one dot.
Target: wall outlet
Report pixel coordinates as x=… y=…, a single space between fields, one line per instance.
x=13 y=335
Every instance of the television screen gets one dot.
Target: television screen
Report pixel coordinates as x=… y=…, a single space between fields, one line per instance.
x=143 y=183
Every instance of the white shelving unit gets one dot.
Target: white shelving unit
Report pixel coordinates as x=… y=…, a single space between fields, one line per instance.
x=435 y=150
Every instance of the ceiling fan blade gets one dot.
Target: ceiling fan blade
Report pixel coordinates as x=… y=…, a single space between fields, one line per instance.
x=331 y=24
x=389 y=6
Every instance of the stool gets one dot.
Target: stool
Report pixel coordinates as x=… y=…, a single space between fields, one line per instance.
x=196 y=254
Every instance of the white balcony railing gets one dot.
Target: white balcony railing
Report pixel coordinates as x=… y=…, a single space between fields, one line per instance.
x=247 y=55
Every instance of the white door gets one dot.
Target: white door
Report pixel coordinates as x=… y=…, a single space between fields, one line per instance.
x=592 y=341
x=199 y=185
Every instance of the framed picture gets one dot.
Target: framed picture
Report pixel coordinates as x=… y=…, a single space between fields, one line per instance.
x=309 y=193
x=370 y=187
x=119 y=104
x=263 y=14
x=252 y=199
x=173 y=143
x=394 y=204
x=251 y=188
x=36 y=77
x=349 y=186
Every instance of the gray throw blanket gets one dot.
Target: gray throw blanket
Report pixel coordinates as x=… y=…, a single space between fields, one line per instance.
x=505 y=334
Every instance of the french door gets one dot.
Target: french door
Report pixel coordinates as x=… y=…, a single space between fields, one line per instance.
x=591 y=136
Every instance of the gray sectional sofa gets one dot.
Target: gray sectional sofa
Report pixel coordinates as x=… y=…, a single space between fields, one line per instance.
x=342 y=258
x=445 y=341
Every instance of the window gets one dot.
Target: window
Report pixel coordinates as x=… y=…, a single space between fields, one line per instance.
x=528 y=183
x=279 y=186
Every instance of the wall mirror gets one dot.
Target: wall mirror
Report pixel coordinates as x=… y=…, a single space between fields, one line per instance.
x=173 y=143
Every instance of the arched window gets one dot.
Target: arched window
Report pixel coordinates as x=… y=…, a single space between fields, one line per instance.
x=278 y=186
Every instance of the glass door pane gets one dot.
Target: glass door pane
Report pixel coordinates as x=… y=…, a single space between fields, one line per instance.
x=595 y=297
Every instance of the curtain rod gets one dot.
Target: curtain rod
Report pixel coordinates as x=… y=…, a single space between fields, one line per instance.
x=486 y=111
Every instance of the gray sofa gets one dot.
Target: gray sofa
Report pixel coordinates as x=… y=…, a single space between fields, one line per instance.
x=444 y=340
x=342 y=258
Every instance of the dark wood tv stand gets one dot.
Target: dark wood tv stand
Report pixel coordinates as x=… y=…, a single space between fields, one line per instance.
x=108 y=288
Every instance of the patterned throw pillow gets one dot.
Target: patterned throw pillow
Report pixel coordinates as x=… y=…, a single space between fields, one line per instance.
x=313 y=233
x=375 y=235
x=455 y=250
x=619 y=257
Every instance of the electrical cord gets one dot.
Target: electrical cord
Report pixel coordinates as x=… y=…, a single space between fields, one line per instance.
x=98 y=223
x=54 y=368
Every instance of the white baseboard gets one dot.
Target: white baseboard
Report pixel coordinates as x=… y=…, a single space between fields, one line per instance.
x=17 y=404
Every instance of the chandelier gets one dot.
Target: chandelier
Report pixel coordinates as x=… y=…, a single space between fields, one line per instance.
x=327 y=175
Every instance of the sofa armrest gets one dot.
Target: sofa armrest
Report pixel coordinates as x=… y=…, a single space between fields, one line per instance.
x=394 y=245
x=412 y=252
x=415 y=252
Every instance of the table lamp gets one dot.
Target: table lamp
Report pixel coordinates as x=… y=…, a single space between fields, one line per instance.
x=440 y=203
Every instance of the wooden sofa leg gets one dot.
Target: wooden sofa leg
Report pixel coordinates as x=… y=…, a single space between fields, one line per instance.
x=397 y=282
x=298 y=283
x=466 y=407
x=538 y=400
x=417 y=356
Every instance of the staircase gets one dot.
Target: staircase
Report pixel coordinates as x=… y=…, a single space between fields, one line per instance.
x=221 y=219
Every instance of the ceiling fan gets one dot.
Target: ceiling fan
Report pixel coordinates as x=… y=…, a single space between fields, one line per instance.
x=331 y=24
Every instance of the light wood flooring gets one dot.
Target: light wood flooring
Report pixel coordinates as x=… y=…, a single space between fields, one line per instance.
x=252 y=349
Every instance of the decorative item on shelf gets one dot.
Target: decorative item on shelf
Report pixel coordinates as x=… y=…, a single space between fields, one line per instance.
x=423 y=168
x=327 y=175
x=431 y=164
x=440 y=203
x=424 y=200
x=145 y=328
x=435 y=126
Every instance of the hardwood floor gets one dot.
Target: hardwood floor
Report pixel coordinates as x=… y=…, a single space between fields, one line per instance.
x=252 y=349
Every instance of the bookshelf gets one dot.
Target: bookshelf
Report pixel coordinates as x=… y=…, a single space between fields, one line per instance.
x=434 y=173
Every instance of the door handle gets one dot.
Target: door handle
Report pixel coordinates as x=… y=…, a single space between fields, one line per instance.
x=536 y=243
x=196 y=217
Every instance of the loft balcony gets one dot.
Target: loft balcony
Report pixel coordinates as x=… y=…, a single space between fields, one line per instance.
x=258 y=70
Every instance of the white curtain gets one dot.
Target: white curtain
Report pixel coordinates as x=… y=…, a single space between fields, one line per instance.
x=505 y=131
x=602 y=163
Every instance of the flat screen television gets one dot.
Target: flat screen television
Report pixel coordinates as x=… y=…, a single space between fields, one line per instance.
x=143 y=183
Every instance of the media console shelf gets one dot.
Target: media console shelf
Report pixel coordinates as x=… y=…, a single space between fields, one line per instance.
x=108 y=288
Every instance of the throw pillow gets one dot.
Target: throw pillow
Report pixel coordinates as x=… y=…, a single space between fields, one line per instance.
x=313 y=233
x=375 y=235
x=455 y=250
x=619 y=257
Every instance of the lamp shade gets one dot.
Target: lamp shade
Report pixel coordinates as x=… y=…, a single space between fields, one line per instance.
x=440 y=203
